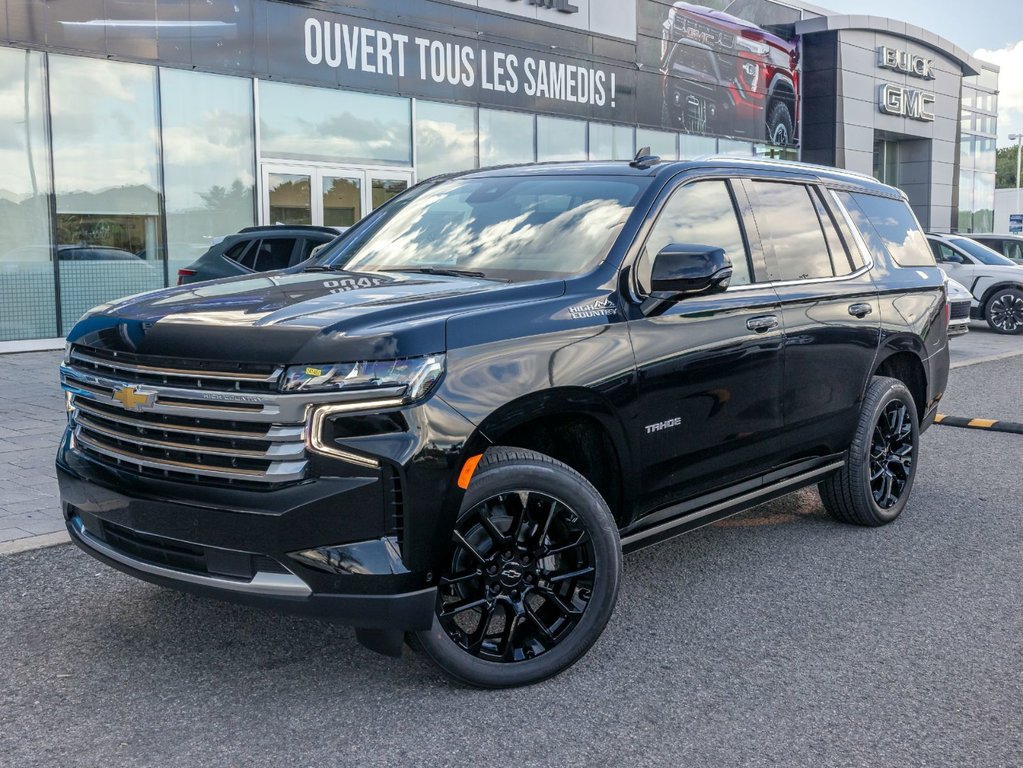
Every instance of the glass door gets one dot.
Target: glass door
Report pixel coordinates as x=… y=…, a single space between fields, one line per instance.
x=331 y=196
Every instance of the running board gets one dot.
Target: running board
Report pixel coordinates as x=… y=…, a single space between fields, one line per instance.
x=733 y=506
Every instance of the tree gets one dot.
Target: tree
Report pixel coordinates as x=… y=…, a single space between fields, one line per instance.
x=1005 y=167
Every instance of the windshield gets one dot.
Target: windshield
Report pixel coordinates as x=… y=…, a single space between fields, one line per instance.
x=982 y=253
x=508 y=228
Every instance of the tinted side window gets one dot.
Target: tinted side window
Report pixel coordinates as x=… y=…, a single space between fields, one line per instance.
x=787 y=219
x=945 y=255
x=701 y=213
x=841 y=261
x=1013 y=249
x=893 y=224
x=237 y=252
x=273 y=253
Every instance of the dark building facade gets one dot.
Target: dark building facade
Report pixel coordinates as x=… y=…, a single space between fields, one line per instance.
x=132 y=135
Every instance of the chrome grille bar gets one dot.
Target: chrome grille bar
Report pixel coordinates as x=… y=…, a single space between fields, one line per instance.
x=119 y=368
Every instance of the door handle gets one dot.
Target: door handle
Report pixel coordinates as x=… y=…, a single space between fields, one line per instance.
x=860 y=310
x=762 y=323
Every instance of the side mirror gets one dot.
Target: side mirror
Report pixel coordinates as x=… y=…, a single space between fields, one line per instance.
x=685 y=269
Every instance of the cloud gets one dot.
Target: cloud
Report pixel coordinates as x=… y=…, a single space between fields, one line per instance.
x=1010 y=88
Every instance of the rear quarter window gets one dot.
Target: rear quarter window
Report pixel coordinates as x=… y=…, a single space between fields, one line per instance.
x=888 y=226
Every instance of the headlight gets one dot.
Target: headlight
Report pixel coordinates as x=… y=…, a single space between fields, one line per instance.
x=416 y=374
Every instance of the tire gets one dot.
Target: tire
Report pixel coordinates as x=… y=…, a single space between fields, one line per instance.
x=1004 y=311
x=875 y=483
x=779 y=124
x=542 y=608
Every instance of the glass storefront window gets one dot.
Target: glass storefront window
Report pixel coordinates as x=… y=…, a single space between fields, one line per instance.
x=208 y=160
x=985 y=155
x=661 y=143
x=560 y=139
x=505 y=137
x=612 y=142
x=291 y=200
x=299 y=122
x=445 y=138
x=27 y=296
x=342 y=200
x=734 y=147
x=966 y=201
x=105 y=163
x=697 y=146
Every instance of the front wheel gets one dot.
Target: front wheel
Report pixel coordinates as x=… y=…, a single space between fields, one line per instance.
x=874 y=485
x=1005 y=311
x=533 y=575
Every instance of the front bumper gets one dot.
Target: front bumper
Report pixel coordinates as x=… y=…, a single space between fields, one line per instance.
x=243 y=554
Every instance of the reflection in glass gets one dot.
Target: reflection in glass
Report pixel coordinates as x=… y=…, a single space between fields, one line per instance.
x=445 y=138
x=698 y=214
x=26 y=265
x=661 y=143
x=208 y=158
x=290 y=198
x=734 y=147
x=560 y=139
x=298 y=122
x=612 y=142
x=697 y=146
x=342 y=201
x=105 y=161
x=505 y=137
x=786 y=217
x=384 y=189
x=511 y=227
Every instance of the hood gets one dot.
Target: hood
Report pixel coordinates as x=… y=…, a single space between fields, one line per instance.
x=298 y=317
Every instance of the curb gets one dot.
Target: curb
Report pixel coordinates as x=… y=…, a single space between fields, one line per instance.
x=992 y=425
x=988 y=359
x=34 y=542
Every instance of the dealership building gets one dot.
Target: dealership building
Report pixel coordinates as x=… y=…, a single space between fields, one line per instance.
x=133 y=135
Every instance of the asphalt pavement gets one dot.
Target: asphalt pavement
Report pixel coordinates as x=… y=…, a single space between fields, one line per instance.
x=776 y=638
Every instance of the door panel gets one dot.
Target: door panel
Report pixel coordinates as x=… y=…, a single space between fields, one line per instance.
x=831 y=314
x=709 y=366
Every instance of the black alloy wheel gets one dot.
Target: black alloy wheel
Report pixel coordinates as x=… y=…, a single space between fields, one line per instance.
x=874 y=484
x=891 y=454
x=520 y=579
x=1005 y=311
x=532 y=576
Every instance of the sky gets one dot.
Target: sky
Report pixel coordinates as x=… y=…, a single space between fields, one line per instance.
x=990 y=29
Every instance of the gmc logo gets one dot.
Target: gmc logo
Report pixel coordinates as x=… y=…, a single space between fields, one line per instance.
x=905 y=102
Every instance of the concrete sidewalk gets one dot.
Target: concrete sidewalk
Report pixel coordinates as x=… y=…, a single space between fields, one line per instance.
x=32 y=419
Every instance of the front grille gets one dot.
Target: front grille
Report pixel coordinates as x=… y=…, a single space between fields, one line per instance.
x=161 y=371
x=959 y=310
x=688 y=28
x=196 y=421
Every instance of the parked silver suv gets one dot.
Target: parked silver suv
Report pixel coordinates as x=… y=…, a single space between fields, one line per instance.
x=995 y=282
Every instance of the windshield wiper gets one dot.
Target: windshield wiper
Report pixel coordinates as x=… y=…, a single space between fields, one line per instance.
x=324 y=268
x=437 y=271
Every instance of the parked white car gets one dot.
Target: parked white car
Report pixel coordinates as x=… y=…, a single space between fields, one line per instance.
x=995 y=282
x=960 y=301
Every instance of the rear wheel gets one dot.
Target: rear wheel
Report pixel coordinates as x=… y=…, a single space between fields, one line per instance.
x=779 y=124
x=533 y=575
x=874 y=485
x=1005 y=311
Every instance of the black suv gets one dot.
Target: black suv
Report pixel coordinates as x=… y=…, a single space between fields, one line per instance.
x=449 y=426
x=257 y=249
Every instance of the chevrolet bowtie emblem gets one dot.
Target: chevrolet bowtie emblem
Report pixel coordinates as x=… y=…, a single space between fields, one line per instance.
x=134 y=398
